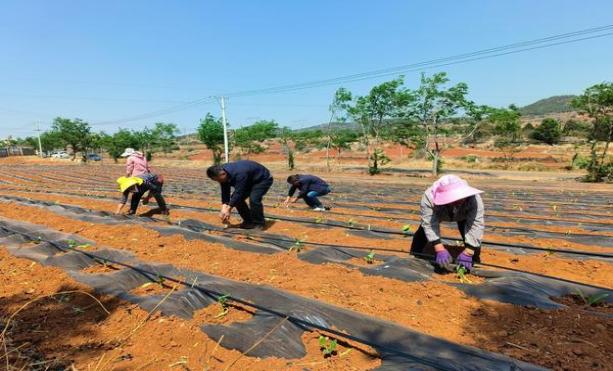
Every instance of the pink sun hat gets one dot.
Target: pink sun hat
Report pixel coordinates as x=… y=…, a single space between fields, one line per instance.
x=451 y=188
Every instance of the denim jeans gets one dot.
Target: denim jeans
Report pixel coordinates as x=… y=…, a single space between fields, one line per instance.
x=254 y=212
x=311 y=198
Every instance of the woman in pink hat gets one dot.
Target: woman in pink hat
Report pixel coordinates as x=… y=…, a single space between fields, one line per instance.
x=450 y=199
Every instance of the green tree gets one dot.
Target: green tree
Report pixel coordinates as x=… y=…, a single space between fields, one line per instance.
x=374 y=111
x=50 y=140
x=341 y=139
x=285 y=138
x=507 y=127
x=115 y=144
x=74 y=133
x=476 y=123
x=597 y=102
x=210 y=133
x=338 y=110
x=248 y=138
x=433 y=104
x=144 y=139
x=164 y=136
x=549 y=131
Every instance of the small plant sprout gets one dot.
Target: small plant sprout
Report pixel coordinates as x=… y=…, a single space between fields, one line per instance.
x=223 y=302
x=327 y=346
x=71 y=243
x=461 y=272
x=320 y=220
x=297 y=246
x=591 y=300
x=406 y=229
x=351 y=222
x=370 y=257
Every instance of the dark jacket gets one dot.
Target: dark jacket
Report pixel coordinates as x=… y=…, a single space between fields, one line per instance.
x=242 y=175
x=308 y=183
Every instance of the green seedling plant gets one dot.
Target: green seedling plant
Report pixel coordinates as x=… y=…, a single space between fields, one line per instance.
x=461 y=273
x=370 y=257
x=406 y=229
x=320 y=220
x=298 y=245
x=591 y=300
x=351 y=222
x=327 y=346
x=223 y=302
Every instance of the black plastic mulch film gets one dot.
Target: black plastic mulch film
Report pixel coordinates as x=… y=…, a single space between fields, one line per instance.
x=520 y=288
x=512 y=287
x=399 y=348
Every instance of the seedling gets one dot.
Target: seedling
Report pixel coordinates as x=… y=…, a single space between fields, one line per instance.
x=298 y=245
x=327 y=346
x=370 y=257
x=223 y=301
x=71 y=243
x=351 y=222
x=591 y=300
x=320 y=220
x=461 y=272
x=406 y=229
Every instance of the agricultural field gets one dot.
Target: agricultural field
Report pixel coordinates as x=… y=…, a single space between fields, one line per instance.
x=84 y=288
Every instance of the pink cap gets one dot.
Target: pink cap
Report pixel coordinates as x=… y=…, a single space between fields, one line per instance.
x=451 y=188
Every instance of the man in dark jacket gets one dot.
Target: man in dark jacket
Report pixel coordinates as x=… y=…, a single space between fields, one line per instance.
x=310 y=188
x=249 y=180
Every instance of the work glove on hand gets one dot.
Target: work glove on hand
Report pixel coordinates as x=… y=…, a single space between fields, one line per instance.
x=465 y=260
x=443 y=259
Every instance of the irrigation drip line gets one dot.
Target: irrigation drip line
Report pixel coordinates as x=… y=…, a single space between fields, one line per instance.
x=216 y=295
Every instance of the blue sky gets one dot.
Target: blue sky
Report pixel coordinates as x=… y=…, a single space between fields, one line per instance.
x=107 y=60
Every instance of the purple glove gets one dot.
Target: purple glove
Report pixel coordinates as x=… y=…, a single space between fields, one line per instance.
x=443 y=259
x=465 y=260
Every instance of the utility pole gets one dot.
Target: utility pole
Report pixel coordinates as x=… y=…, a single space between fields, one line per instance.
x=225 y=127
x=40 y=146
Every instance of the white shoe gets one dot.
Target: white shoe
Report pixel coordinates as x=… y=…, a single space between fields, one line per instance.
x=319 y=209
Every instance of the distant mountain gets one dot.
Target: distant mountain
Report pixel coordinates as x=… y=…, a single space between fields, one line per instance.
x=555 y=104
x=335 y=125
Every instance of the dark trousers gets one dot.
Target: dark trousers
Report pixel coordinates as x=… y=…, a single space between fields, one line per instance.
x=311 y=198
x=420 y=244
x=254 y=212
x=155 y=191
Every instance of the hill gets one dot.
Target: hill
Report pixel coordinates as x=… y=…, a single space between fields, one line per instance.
x=555 y=104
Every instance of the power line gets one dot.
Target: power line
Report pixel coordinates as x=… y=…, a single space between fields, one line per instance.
x=514 y=48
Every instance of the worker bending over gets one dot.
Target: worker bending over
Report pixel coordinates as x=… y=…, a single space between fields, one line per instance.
x=249 y=180
x=310 y=188
x=137 y=186
x=451 y=199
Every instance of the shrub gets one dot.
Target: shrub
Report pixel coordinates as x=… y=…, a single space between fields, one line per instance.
x=548 y=132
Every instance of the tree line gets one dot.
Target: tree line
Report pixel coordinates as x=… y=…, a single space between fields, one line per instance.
x=417 y=118
x=77 y=135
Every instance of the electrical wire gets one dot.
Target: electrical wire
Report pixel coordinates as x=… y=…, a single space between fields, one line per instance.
x=508 y=49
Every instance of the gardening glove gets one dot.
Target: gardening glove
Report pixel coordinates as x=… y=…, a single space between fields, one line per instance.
x=443 y=259
x=465 y=260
